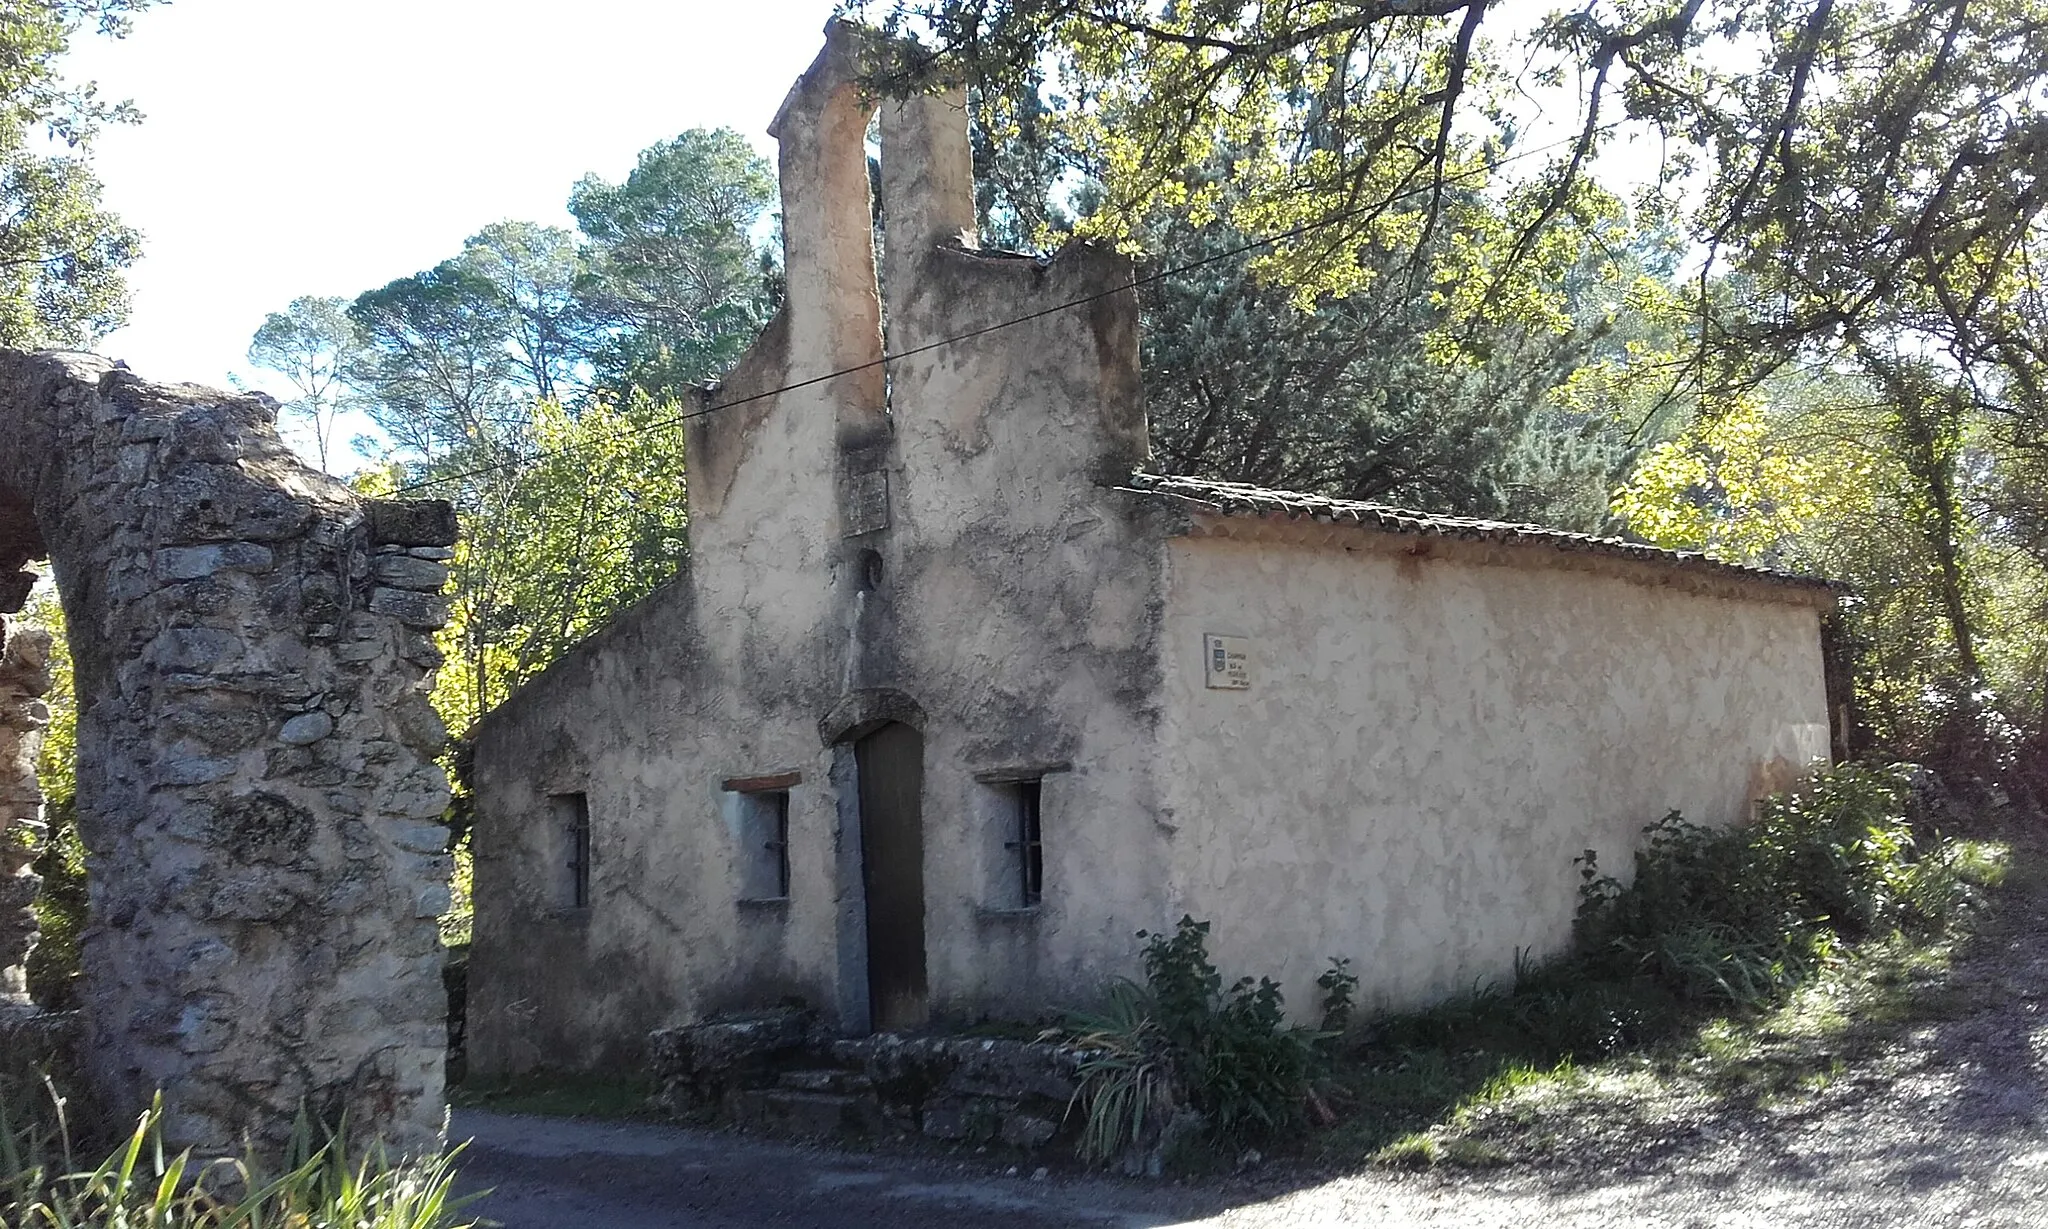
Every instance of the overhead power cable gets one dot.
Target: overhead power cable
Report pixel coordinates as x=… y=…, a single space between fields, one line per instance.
x=1143 y=280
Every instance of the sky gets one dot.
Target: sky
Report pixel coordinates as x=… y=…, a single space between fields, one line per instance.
x=325 y=147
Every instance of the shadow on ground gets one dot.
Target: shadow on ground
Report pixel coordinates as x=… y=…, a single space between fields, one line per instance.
x=1924 y=1107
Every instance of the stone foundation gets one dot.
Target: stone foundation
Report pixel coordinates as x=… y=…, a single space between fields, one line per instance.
x=256 y=785
x=777 y=1074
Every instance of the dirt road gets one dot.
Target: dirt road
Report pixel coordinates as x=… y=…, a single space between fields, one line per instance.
x=557 y=1174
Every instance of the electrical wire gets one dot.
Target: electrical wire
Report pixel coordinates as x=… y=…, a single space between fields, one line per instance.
x=1144 y=280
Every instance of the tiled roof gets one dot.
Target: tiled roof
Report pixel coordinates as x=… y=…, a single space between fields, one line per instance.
x=1241 y=499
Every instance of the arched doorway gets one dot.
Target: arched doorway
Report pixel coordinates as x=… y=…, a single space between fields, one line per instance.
x=890 y=761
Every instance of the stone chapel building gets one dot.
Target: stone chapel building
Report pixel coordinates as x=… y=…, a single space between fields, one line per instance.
x=954 y=695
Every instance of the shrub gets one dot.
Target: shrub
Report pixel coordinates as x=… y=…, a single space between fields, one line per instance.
x=1739 y=915
x=1183 y=1040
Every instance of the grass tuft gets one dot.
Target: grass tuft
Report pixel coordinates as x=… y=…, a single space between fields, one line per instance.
x=325 y=1183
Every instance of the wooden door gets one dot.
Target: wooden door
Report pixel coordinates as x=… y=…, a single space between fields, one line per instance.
x=891 y=763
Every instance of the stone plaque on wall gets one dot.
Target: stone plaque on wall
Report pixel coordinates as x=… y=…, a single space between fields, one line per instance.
x=866 y=506
x=1227 y=662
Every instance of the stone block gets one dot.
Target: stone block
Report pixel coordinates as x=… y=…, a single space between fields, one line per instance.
x=262 y=827
x=412 y=608
x=421 y=651
x=411 y=522
x=194 y=562
x=406 y=572
x=215 y=503
x=969 y=1118
x=193 y=770
x=419 y=837
x=805 y=1115
x=14 y=590
x=1004 y=1068
x=306 y=729
x=423 y=794
x=1028 y=1130
x=217 y=727
x=205 y=1025
x=419 y=726
x=142 y=430
x=132 y=462
x=252 y=899
x=823 y=1080
x=33 y=1041
x=196 y=649
x=358 y=652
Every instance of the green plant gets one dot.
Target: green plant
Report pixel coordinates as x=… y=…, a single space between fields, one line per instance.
x=1128 y=1088
x=1340 y=995
x=1793 y=922
x=1184 y=1040
x=323 y=1181
x=1741 y=915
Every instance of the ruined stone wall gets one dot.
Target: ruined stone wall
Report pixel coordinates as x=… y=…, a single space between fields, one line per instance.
x=24 y=677
x=256 y=788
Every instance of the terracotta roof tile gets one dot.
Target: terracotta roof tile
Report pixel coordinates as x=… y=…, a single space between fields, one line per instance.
x=1242 y=499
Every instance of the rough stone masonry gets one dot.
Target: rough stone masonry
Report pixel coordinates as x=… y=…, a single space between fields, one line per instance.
x=257 y=789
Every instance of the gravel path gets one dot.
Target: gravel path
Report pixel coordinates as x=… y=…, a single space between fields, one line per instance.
x=1943 y=1121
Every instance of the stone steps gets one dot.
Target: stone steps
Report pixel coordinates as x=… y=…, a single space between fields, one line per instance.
x=778 y=1073
x=805 y=1115
x=825 y=1079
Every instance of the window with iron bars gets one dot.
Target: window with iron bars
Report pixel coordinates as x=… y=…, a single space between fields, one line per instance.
x=572 y=816
x=1027 y=843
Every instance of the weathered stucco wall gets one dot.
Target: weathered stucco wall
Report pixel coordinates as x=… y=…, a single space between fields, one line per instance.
x=256 y=790
x=723 y=673
x=964 y=548
x=1430 y=738
x=939 y=550
x=1028 y=587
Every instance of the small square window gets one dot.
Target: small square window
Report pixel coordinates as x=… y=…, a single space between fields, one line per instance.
x=764 y=845
x=572 y=822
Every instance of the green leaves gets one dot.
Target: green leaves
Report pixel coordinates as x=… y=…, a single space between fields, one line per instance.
x=62 y=256
x=1740 y=914
x=315 y=345
x=61 y=904
x=1347 y=398
x=553 y=548
x=438 y=366
x=672 y=274
x=660 y=292
x=533 y=379
x=139 y=1185
x=1182 y=1040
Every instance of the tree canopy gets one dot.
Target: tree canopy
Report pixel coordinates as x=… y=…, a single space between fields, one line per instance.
x=674 y=279
x=62 y=254
x=1833 y=361
x=532 y=378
